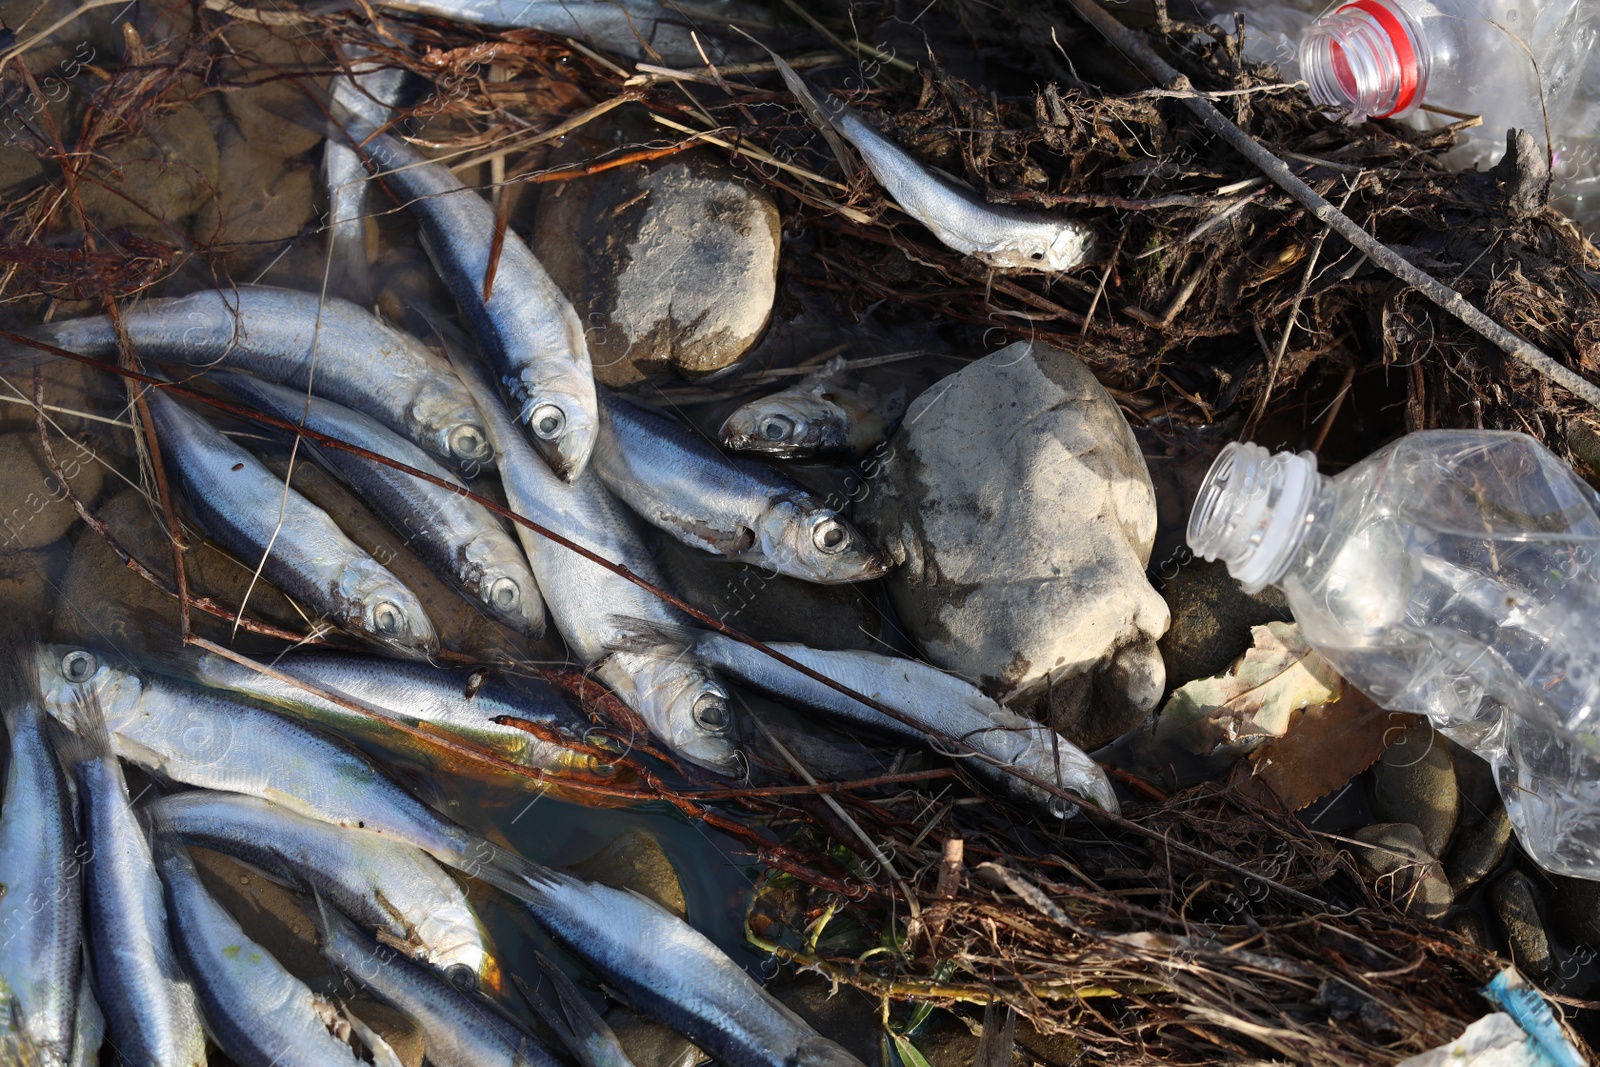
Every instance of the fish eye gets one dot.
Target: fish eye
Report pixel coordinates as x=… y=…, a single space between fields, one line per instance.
x=711 y=712
x=387 y=617
x=468 y=442
x=78 y=665
x=1036 y=256
x=462 y=977
x=776 y=427
x=548 y=421
x=504 y=594
x=830 y=536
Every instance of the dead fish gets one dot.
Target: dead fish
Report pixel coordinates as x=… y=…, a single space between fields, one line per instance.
x=384 y=884
x=825 y=414
x=681 y=701
x=941 y=704
x=151 y=1014
x=1004 y=237
x=372 y=91
x=523 y=322
x=738 y=508
x=302 y=550
x=636 y=29
x=459 y=539
x=295 y=339
x=41 y=895
x=259 y=1013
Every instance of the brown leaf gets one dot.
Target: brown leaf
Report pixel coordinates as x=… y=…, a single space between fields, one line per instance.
x=1325 y=746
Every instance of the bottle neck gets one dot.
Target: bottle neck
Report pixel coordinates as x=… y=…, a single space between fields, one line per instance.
x=1366 y=57
x=1253 y=512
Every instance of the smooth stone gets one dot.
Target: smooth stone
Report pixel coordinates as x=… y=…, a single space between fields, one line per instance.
x=671 y=267
x=29 y=580
x=71 y=391
x=405 y=1037
x=846 y=1015
x=1468 y=926
x=1017 y=504
x=104 y=603
x=636 y=861
x=1480 y=793
x=19 y=169
x=1517 y=910
x=1575 y=909
x=652 y=1044
x=36 y=510
x=1403 y=868
x=1478 y=849
x=1414 y=781
x=265 y=202
x=259 y=102
x=773 y=607
x=166 y=174
x=1211 y=619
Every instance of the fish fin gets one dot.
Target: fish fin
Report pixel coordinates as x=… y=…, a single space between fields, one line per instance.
x=822 y=109
x=647 y=635
x=508 y=872
x=586 y=1035
x=81 y=734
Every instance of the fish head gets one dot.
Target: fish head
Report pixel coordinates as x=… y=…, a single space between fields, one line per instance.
x=563 y=424
x=804 y=538
x=446 y=422
x=684 y=703
x=1040 y=245
x=373 y=603
x=787 y=424
x=500 y=579
x=68 y=675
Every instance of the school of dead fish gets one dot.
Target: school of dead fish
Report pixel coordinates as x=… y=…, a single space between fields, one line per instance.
x=107 y=933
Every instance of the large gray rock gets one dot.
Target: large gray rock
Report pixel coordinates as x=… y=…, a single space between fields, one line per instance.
x=1017 y=505
x=34 y=510
x=157 y=179
x=672 y=268
x=1517 y=910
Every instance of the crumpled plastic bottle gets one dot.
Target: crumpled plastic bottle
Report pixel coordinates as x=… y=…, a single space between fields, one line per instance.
x=1455 y=574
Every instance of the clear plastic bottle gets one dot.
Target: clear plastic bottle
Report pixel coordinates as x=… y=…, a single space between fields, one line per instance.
x=1455 y=574
x=1385 y=58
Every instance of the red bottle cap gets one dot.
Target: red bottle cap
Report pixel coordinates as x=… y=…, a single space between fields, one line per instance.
x=1403 y=50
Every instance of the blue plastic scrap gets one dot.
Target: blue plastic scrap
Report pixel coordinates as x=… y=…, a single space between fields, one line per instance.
x=1512 y=994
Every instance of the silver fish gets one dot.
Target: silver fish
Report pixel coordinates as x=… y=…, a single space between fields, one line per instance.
x=636 y=29
x=89 y=1030
x=151 y=1015
x=295 y=339
x=371 y=91
x=949 y=706
x=41 y=928
x=461 y=1031
x=304 y=553
x=527 y=327
x=381 y=883
x=738 y=508
x=1004 y=237
x=199 y=737
x=460 y=539
x=672 y=973
x=823 y=415
x=414 y=692
x=681 y=701
x=259 y=1013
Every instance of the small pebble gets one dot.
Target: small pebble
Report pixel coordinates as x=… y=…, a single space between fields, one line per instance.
x=1415 y=782
x=1468 y=926
x=1478 y=849
x=1518 y=914
x=1403 y=869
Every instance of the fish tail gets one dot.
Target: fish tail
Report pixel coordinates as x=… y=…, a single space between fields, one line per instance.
x=587 y=1036
x=648 y=636
x=826 y=112
x=508 y=872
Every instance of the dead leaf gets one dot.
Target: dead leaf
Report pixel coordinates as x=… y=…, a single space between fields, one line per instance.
x=1324 y=748
x=1255 y=698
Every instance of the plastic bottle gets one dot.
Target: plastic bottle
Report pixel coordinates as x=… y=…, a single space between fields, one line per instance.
x=1455 y=574
x=1386 y=58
